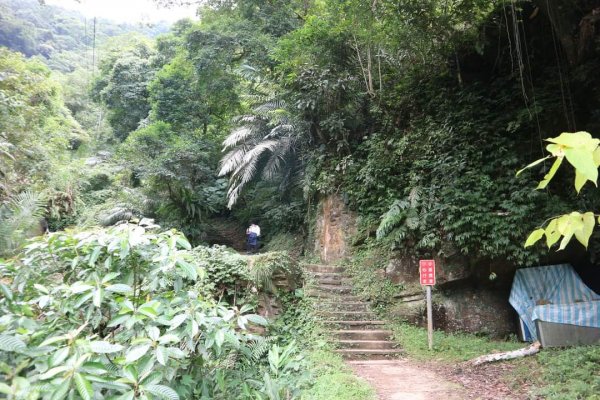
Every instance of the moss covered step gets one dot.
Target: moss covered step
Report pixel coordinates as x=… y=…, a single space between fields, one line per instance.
x=363 y=344
x=346 y=315
x=353 y=324
x=319 y=268
x=333 y=281
x=340 y=295
x=364 y=334
x=370 y=354
x=335 y=288
x=333 y=304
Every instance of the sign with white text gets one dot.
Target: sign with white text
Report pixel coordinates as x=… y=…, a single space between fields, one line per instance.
x=427 y=272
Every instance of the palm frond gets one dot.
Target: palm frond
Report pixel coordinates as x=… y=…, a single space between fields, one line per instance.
x=18 y=218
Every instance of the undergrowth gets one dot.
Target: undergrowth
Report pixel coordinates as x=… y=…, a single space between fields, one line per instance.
x=449 y=347
x=330 y=378
x=553 y=374
x=572 y=373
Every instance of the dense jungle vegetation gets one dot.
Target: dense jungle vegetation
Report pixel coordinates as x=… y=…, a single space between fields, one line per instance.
x=139 y=147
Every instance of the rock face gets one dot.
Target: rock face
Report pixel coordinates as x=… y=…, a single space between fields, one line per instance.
x=464 y=298
x=334 y=227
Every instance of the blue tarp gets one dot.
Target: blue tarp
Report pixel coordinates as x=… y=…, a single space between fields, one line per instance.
x=554 y=293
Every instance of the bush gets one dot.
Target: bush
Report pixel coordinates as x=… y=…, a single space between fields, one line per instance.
x=119 y=313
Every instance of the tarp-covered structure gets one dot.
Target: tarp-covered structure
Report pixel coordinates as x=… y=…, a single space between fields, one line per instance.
x=553 y=293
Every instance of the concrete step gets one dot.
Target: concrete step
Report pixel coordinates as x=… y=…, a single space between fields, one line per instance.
x=328 y=305
x=371 y=354
x=333 y=281
x=366 y=344
x=353 y=325
x=346 y=315
x=332 y=296
x=335 y=288
x=364 y=334
x=331 y=275
x=322 y=268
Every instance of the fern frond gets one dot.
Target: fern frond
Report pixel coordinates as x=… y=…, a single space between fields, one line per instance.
x=392 y=218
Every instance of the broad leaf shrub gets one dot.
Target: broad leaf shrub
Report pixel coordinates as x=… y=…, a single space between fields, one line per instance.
x=122 y=313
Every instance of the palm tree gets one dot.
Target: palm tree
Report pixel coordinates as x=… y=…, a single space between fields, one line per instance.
x=265 y=145
x=19 y=216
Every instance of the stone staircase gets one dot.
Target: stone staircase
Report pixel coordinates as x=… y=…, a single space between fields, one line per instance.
x=356 y=331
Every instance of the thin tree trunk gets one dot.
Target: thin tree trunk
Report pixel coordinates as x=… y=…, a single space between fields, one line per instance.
x=532 y=349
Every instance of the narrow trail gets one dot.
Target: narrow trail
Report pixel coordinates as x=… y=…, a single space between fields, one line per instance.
x=366 y=345
x=400 y=380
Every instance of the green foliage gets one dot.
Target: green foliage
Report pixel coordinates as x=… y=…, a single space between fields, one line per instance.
x=60 y=37
x=451 y=347
x=20 y=216
x=266 y=144
x=334 y=381
x=118 y=312
x=123 y=84
x=583 y=153
x=569 y=373
x=367 y=269
x=36 y=130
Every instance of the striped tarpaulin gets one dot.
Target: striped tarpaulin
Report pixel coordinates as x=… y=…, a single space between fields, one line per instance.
x=553 y=293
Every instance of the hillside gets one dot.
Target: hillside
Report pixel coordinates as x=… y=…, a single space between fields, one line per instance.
x=61 y=37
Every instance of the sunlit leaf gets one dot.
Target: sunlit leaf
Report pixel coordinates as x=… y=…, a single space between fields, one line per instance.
x=135 y=353
x=100 y=346
x=534 y=237
x=548 y=177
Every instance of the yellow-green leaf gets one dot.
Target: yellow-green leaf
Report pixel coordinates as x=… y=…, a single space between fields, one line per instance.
x=597 y=156
x=550 y=173
x=533 y=164
x=566 y=239
x=534 y=237
x=580 y=139
x=552 y=234
x=580 y=180
x=583 y=162
x=576 y=220
x=583 y=234
x=562 y=224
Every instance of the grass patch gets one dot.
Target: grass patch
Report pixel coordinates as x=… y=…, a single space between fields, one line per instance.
x=451 y=347
x=334 y=380
x=572 y=373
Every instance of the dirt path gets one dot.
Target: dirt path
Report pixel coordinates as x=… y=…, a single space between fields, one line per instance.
x=401 y=380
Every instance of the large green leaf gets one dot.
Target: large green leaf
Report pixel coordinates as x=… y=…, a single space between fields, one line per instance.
x=11 y=343
x=102 y=347
x=257 y=319
x=188 y=269
x=84 y=387
x=119 y=288
x=162 y=355
x=136 y=352
x=162 y=391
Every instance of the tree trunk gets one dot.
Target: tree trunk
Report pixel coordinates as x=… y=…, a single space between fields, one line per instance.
x=508 y=355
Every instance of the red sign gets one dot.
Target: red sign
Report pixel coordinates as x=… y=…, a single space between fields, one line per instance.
x=427 y=271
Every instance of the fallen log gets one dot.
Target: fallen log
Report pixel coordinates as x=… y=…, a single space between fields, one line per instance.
x=507 y=355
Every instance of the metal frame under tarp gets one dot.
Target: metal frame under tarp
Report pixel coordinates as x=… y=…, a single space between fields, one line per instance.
x=553 y=293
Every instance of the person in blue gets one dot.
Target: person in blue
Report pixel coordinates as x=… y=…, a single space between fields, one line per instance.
x=252 y=237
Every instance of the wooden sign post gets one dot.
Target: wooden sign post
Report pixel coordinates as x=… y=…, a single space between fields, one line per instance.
x=427 y=278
